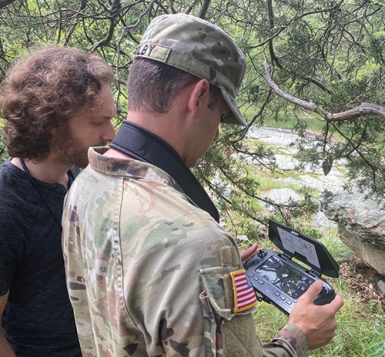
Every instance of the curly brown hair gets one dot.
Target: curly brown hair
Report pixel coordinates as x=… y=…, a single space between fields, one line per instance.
x=43 y=91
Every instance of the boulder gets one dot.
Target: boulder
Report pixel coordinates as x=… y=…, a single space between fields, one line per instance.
x=361 y=225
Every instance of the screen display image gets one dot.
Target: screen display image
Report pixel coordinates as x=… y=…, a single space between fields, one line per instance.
x=284 y=277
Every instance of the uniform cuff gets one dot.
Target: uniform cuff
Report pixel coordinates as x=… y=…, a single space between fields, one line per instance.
x=294 y=337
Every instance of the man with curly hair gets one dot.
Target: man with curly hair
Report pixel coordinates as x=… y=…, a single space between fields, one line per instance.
x=56 y=103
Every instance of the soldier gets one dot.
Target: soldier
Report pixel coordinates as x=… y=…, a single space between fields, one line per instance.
x=56 y=103
x=150 y=271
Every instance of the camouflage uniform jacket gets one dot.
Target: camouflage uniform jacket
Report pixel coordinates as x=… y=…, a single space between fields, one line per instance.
x=147 y=271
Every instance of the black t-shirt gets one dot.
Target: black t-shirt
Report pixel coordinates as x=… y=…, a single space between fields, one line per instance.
x=38 y=319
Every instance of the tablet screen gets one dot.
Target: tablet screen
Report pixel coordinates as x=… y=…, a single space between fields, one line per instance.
x=284 y=277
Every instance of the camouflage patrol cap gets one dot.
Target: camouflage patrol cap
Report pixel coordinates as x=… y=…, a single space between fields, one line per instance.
x=200 y=48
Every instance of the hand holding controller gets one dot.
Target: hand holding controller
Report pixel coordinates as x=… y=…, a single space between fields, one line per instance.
x=318 y=323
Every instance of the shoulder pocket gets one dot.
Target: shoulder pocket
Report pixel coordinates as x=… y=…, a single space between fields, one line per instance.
x=215 y=292
x=224 y=329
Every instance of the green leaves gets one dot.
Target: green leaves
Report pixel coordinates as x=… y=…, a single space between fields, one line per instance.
x=327 y=52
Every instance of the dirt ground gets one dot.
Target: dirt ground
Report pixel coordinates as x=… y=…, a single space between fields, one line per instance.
x=364 y=280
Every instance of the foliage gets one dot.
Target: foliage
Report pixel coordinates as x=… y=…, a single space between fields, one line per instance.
x=324 y=51
x=327 y=52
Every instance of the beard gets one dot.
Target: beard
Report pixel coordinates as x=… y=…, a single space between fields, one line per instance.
x=70 y=151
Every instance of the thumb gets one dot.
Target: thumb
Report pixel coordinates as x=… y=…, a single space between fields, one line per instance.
x=253 y=249
x=248 y=253
x=313 y=291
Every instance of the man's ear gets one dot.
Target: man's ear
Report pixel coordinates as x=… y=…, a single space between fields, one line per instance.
x=199 y=97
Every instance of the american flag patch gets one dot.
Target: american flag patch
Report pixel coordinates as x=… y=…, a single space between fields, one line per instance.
x=244 y=295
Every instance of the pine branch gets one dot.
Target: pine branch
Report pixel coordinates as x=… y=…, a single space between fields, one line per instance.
x=361 y=110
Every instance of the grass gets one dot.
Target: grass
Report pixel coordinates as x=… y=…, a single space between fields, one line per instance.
x=376 y=347
x=356 y=330
x=340 y=251
x=359 y=322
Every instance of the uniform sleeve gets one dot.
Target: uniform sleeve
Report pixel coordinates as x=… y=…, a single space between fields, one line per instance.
x=291 y=339
x=187 y=308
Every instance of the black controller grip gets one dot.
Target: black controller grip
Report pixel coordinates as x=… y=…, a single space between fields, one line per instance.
x=326 y=295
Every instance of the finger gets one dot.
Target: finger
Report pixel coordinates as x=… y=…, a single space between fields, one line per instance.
x=245 y=261
x=337 y=302
x=313 y=291
x=249 y=252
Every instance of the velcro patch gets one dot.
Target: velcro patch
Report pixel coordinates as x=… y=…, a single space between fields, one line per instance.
x=229 y=256
x=155 y=51
x=244 y=295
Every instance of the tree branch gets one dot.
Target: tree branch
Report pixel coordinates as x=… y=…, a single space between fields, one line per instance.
x=204 y=8
x=273 y=56
x=284 y=95
x=171 y=4
x=82 y=6
x=361 y=110
x=296 y=18
x=191 y=6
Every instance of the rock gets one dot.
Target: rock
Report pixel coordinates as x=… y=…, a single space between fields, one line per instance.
x=381 y=287
x=323 y=223
x=242 y=237
x=361 y=225
x=282 y=195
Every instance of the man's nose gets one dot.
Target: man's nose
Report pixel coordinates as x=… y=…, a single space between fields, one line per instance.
x=109 y=132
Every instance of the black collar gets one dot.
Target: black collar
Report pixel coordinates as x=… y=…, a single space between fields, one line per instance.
x=140 y=144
